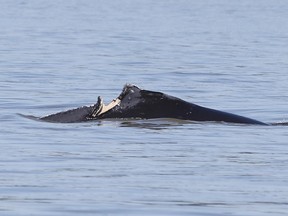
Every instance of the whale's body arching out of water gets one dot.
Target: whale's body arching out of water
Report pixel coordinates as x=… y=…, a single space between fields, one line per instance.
x=135 y=103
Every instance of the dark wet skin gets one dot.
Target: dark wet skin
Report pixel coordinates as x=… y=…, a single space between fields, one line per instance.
x=136 y=103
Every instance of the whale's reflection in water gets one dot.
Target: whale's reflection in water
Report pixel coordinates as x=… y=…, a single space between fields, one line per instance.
x=152 y=124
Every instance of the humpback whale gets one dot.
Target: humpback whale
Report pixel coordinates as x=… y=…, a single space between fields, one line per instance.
x=136 y=103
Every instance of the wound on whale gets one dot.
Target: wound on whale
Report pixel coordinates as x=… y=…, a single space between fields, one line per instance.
x=136 y=103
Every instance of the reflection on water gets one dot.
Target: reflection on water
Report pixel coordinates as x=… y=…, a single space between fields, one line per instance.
x=154 y=124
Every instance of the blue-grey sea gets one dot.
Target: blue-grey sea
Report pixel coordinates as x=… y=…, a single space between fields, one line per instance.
x=228 y=55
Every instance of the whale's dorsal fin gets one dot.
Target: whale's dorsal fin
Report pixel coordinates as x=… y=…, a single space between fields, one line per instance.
x=97 y=108
x=101 y=108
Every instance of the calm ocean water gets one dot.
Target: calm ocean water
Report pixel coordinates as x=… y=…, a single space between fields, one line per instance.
x=227 y=55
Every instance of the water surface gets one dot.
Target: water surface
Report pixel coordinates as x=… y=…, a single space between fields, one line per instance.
x=227 y=55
